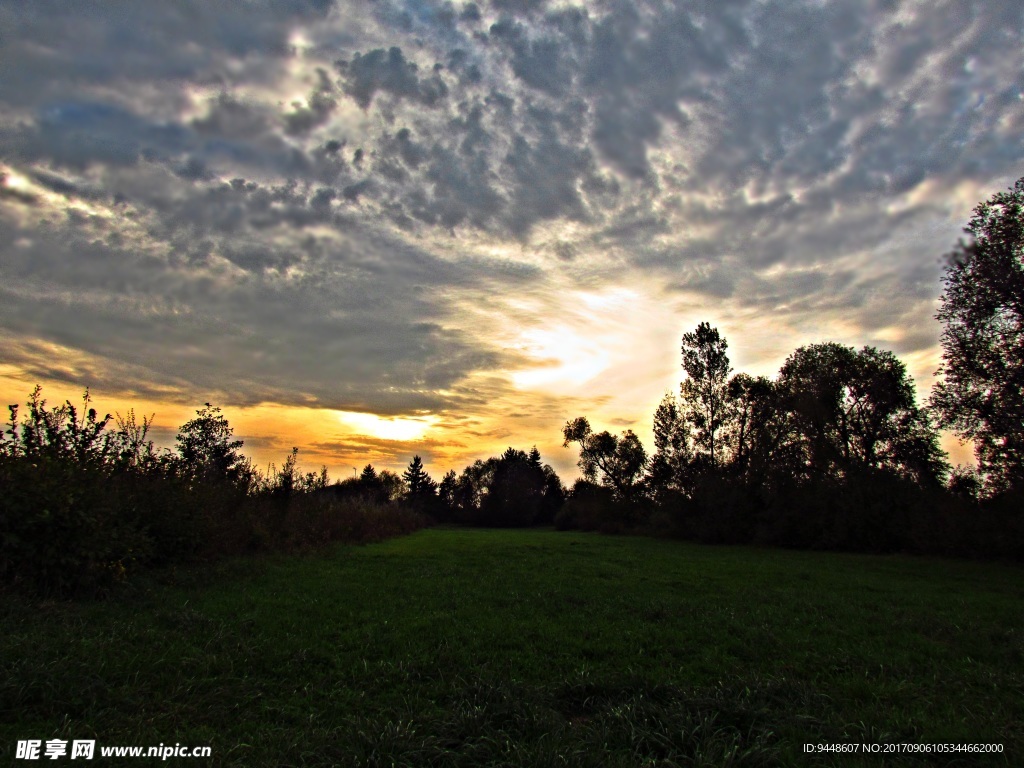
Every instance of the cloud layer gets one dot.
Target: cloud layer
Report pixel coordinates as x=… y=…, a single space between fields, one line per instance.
x=376 y=207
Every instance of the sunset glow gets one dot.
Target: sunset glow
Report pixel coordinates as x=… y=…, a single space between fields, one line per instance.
x=398 y=429
x=563 y=358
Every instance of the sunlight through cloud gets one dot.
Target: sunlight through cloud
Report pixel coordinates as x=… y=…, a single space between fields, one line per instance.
x=563 y=357
x=397 y=428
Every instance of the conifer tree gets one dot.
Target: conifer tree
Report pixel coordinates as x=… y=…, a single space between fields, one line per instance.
x=418 y=484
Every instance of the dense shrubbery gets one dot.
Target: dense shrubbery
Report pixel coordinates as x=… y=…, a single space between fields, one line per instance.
x=84 y=505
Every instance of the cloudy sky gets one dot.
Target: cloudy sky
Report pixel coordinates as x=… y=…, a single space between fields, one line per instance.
x=373 y=228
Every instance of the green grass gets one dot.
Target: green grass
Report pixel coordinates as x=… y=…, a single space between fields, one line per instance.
x=531 y=648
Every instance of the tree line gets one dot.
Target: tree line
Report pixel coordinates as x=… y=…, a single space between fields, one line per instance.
x=834 y=453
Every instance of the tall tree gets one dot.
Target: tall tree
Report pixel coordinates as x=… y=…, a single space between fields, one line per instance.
x=761 y=431
x=554 y=495
x=534 y=457
x=392 y=485
x=370 y=485
x=981 y=395
x=670 y=464
x=704 y=391
x=814 y=379
x=419 y=486
x=515 y=491
x=470 y=490
x=446 y=490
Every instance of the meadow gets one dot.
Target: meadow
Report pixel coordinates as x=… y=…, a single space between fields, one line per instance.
x=467 y=647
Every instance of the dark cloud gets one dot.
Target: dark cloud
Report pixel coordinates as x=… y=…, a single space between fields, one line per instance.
x=542 y=63
x=55 y=50
x=355 y=323
x=320 y=105
x=389 y=72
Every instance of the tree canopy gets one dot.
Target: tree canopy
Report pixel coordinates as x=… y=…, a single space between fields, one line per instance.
x=619 y=461
x=981 y=395
x=704 y=395
x=207 y=450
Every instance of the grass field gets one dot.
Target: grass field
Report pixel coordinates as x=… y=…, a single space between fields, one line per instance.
x=531 y=648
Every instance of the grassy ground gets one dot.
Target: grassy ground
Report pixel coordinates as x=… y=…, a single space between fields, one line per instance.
x=532 y=648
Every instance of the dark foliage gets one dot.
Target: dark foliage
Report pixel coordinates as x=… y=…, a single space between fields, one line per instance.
x=510 y=491
x=420 y=491
x=83 y=506
x=419 y=486
x=618 y=462
x=207 y=453
x=589 y=507
x=514 y=495
x=856 y=410
x=704 y=391
x=834 y=454
x=370 y=487
x=981 y=395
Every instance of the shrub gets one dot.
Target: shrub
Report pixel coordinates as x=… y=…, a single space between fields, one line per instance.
x=83 y=506
x=61 y=531
x=590 y=507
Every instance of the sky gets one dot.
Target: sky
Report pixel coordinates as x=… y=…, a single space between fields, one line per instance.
x=372 y=229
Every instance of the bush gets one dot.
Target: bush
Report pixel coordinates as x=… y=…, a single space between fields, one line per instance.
x=62 y=533
x=83 y=506
x=721 y=511
x=592 y=507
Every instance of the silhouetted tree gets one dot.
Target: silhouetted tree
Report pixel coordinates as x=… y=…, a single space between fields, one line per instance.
x=392 y=485
x=618 y=461
x=515 y=491
x=368 y=486
x=761 y=433
x=471 y=489
x=669 y=471
x=207 y=451
x=372 y=486
x=981 y=395
x=553 y=496
x=282 y=483
x=814 y=377
x=446 y=494
x=965 y=484
x=420 y=489
x=704 y=396
x=534 y=457
x=857 y=409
